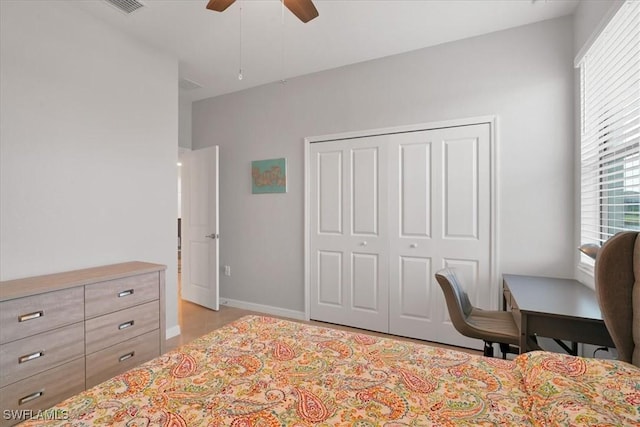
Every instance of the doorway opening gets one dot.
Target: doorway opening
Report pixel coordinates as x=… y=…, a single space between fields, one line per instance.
x=181 y=153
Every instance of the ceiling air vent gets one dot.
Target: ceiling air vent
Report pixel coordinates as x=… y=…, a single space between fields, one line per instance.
x=127 y=6
x=187 y=84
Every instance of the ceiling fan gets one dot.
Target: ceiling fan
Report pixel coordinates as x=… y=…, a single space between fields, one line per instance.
x=303 y=9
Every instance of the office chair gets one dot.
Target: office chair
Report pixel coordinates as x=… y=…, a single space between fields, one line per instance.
x=491 y=326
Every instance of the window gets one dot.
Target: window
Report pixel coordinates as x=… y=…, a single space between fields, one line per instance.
x=610 y=129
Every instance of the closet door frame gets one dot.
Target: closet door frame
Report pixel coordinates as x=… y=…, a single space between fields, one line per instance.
x=494 y=190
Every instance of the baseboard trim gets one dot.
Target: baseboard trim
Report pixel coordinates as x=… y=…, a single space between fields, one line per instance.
x=173 y=331
x=261 y=308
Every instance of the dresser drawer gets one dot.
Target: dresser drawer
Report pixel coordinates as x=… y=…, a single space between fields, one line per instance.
x=43 y=390
x=121 y=357
x=29 y=356
x=114 y=295
x=110 y=329
x=23 y=317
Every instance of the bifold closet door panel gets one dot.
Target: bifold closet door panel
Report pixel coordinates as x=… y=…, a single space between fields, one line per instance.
x=439 y=217
x=349 y=267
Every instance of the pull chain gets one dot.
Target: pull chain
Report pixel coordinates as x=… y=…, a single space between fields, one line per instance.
x=282 y=77
x=240 y=76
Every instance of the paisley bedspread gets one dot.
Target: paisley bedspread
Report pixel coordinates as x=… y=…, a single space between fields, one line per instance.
x=260 y=371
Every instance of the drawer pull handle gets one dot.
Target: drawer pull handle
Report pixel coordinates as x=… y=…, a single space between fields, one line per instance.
x=31 y=397
x=30 y=316
x=126 y=325
x=125 y=293
x=126 y=356
x=31 y=356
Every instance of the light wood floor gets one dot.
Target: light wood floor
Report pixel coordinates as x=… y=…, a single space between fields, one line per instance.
x=196 y=321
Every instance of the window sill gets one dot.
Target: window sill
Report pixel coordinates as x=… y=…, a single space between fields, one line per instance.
x=585 y=275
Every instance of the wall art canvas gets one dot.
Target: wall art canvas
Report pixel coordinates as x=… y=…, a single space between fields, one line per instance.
x=269 y=176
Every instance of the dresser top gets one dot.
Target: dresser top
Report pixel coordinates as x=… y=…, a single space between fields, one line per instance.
x=18 y=288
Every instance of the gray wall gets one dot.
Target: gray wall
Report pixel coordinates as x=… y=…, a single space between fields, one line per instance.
x=523 y=75
x=88 y=146
x=184 y=122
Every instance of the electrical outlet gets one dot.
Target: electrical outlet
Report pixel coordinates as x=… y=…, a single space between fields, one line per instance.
x=227 y=270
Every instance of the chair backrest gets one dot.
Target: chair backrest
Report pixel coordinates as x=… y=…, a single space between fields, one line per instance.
x=617 y=280
x=456 y=298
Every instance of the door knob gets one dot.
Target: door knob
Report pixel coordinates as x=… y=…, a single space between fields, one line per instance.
x=414 y=245
x=212 y=236
x=363 y=243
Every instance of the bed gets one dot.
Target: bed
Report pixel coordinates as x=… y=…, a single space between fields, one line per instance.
x=262 y=371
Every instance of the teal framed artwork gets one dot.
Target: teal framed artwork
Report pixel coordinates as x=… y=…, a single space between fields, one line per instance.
x=269 y=176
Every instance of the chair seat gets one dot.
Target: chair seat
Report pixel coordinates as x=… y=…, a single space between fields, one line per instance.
x=495 y=326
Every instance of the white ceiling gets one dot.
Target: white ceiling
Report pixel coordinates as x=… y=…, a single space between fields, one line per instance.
x=276 y=45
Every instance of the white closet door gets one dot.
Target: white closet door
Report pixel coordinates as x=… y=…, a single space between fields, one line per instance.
x=349 y=245
x=386 y=212
x=439 y=216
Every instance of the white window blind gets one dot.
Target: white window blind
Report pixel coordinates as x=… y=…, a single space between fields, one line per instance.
x=610 y=129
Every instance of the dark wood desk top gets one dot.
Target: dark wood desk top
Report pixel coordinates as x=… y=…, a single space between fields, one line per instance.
x=553 y=297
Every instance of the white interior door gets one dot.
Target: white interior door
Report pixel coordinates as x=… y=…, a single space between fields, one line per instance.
x=200 y=233
x=349 y=270
x=388 y=211
x=441 y=215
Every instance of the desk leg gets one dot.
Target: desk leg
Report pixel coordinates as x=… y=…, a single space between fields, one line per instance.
x=524 y=334
x=573 y=350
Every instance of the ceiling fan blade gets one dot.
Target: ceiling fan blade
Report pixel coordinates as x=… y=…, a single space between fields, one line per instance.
x=219 y=5
x=303 y=9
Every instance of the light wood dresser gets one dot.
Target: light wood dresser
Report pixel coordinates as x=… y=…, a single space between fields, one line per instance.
x=65 y=332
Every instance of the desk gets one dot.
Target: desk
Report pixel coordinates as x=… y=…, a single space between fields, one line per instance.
x=562 y=309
